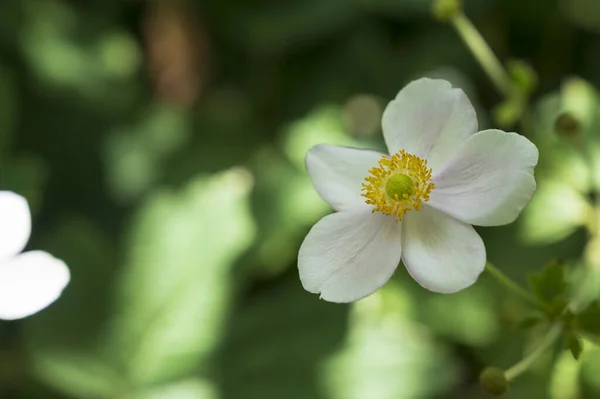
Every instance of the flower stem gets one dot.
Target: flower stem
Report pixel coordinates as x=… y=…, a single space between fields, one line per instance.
x=504 y=280
x=484 y=54
x=522 y=366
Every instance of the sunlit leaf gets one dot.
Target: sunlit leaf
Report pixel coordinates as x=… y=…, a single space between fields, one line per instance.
x=386 y=357
x=564 y=383
x=175 y=287
x=185 y=389
x=467 y=317
x=555 y=211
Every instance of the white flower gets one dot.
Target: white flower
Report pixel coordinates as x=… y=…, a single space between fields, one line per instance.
x=29 y=281
x=418 y=204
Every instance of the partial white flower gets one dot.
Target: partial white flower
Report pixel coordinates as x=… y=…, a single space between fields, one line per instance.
x=29 y=281
x=418 y=203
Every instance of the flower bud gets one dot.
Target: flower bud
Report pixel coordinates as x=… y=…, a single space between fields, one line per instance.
x=493 y=381
x=445 y=10
x=567 y=125
x=523 y=75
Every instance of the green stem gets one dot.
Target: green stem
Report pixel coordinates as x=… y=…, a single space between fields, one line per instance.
x=522 y=366
x=504 y=280
x=484 y=54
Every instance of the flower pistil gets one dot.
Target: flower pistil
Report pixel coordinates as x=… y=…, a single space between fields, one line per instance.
x=398 y=184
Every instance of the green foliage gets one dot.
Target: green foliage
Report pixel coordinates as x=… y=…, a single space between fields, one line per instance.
x=588 y=320
x=181 y=251
x=184 y=281
x=550 y=286
x=573 y=344
x=79 y=375
x=530 y=322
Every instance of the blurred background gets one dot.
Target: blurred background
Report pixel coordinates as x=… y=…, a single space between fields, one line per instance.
x=161 y=146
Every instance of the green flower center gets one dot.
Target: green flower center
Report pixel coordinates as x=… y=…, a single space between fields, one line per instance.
x=399 y=186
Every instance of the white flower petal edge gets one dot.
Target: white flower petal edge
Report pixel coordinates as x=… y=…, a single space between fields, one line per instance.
x=489 y=180
x=29 y=282
x=339 y=172
x=349 y=255
x=15 y=224
x=430 y=119
x=441 y=253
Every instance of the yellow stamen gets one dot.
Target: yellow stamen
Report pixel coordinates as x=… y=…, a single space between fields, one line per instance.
x=399 y=184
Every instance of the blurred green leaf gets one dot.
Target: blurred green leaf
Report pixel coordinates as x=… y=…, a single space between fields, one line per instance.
x=277 y=341
x=468 y=317
x=385 y=356
x=174 y=291
x=185 y=389
x=574 y=345
x=91 y=256
x=549 y=284
x=78 y=375
x=134 y=155
x=530 y=322
x=555 y=212
x=588 y=320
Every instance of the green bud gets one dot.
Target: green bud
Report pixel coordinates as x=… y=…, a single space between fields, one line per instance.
x=523 y=75
x=507 y=113
x=567 y=125
x=493 y=381
x=445 y=10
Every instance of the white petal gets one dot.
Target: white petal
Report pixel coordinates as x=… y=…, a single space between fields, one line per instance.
x=429 y=119
x=29 y=282
x=349 y=255
x=441 y=253
x=15 y=224
x=489 y=181
x=339 y=172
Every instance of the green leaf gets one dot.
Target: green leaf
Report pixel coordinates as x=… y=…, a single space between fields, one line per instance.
x=80 y=375
x=175 y=288
x=588 y=320
x=573 y=344
x=530 y=322
x=549 y=285
x=191 y=388
x=554 y=213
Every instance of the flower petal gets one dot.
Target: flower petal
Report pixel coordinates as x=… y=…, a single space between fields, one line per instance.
x=15 y=224
x=443 y=254
x=29 y=282
x=349 y=255
x=489 y=181
x=429 y=119
x=339 y=172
